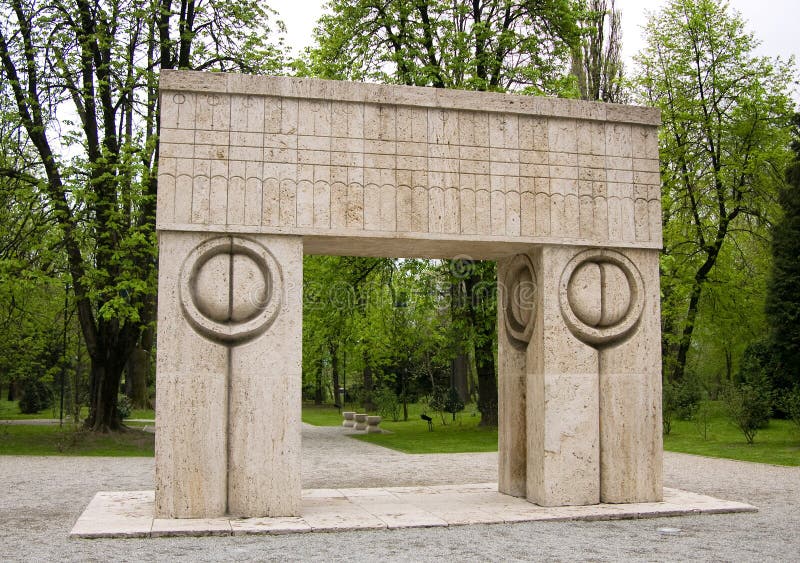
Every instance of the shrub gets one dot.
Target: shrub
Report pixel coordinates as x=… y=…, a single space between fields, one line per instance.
x=387 y=403
x=749 y=399
x=124 y=407
x=681 y=400
x=790 y=403
x=36 y=396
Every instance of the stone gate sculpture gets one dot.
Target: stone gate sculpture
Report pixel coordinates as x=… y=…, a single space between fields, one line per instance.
x=256 y=171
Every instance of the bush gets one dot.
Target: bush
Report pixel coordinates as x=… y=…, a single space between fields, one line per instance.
x=387 y=404
x=36 y=396
x=790 y=404
x=749 y=399
x=681 y=400
x=446 y=401
x=124 y=407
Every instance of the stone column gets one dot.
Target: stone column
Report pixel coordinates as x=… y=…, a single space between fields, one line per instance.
x=631 y=446
x=551 y=377
x=191 y=407
x=229 y=376
x=580 y=376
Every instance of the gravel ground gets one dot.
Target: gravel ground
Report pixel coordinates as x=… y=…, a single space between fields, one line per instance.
x=41 y=497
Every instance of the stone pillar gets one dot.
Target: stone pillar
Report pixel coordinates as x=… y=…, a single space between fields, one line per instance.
x=631 y=446
x=560 y=393
x=229 y=376
x=579 y=376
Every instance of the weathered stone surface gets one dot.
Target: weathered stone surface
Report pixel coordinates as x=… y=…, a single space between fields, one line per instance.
x=130 y=514
x=265 y=402
x=256 y=171
x=375 y=162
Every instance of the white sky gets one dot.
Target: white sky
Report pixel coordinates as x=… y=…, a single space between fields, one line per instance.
x=773 y=21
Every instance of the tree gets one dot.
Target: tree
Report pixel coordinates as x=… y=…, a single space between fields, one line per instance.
x=83 y=79
x=597 y=61
x=783 y=297
x=480 y=45
x=725 y=114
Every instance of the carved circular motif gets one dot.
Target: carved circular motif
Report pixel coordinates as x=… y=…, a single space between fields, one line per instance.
x=213 y=100
x=178 y=98
x=519 y=299
x=230 y=289
x=601 y=296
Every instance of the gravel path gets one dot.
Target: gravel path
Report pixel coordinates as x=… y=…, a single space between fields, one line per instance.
x=41 y=497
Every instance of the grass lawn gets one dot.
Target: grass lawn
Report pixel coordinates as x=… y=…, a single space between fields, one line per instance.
x=52 y=440
x=463 y=435
x=413 y=436
x=778 y=444
x=9 y=410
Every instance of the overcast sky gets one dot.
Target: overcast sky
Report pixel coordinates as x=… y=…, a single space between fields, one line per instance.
x=773 y=21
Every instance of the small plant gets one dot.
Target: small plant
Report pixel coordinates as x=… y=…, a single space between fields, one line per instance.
x=790 y=404
x=702 y=419
x=749 y=399
x=124 y=407
x=387 y=404
x=681 y=400
x=36 y=396
x=453 y=402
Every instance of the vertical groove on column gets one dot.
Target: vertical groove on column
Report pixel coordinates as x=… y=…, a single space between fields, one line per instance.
x=228 y=383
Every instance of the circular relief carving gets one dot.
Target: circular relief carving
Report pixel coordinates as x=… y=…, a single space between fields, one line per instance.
x=519 y=299
x=230 y=289
x=601 y=296
x=213 y=100
x=178 y=98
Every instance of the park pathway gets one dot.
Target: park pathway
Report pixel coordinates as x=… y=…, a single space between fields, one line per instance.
x=331 y=459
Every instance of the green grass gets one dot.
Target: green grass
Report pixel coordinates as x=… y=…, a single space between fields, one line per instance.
x=9 y=410
x=463 y=435
x=53 y=440
x=144 y=414
x=321 y=415
x=778 y=444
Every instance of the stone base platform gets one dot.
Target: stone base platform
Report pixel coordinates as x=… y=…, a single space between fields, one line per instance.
x=130 y=514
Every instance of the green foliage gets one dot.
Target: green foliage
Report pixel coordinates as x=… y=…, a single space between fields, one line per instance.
x=680 y=400
x=725 y=114
x=446 y=400
x=790 y=404
x=749 y=398
x=88 y=185
x=483 y=45
x=124 y=407
x=387 y=404
x=783 y=297
x=36 y=396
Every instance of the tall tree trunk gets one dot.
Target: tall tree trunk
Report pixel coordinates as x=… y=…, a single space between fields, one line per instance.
x=136 y=372
x=318 y=390
x=334 y=351
x=459 y=380
x=368 y=384
x=105 y=379
x=487 y=385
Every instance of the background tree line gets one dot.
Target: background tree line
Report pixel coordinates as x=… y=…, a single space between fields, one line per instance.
x=79 y=136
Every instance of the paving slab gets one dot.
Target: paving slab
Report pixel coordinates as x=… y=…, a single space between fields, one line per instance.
x=113 y=514
x=130 y=514
x=278 y=525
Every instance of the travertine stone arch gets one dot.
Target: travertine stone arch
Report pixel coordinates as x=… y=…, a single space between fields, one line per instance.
x=256 y=171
